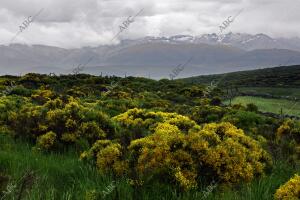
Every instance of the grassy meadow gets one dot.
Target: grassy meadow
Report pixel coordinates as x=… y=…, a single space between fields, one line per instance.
x=270 y=105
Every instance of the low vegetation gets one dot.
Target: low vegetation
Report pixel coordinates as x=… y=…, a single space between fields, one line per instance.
x=93 y=137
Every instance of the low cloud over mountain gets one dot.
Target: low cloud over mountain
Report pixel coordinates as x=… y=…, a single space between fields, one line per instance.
x=156 y=56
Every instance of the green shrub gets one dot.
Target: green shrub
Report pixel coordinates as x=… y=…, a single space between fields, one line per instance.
x=248 y=121
x=251 y=107
x=207 y=113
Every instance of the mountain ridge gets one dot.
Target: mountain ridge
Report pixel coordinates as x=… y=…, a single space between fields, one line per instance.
x=156 y=56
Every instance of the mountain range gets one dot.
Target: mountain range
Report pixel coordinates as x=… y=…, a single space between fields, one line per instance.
x=156 y=57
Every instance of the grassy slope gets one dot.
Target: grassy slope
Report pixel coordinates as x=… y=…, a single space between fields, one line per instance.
x=271 y=105
x=270 y=77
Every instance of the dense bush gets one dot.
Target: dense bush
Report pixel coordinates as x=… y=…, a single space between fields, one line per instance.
x=248 y=121
x=107 y=156
x=217 y=152
x=288 y=138
x=9 y=104
x=207 y=113
x=137 y=123
x=46 y=141
x=251 y=107
x=289 y=130
x=42 y=96
x=70 y=122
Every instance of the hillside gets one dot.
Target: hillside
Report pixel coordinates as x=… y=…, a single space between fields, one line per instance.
x=284 y=76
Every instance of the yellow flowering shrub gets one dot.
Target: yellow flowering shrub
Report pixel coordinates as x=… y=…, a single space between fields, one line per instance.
x=290 y=129
x=218 y=151
x=108 y=157
x=162 y=154
x=42 y=96
x=92 y=152
x=69 y=138
x=288 y=138
x=91 y=131
x=9 y=105
x=33 y=118
x=46 y=141
x=73 y=122
x=178 y=151
x=290 y=190
x=149 y=120
x=138 y=123
x=54 y=104
x=231 y=154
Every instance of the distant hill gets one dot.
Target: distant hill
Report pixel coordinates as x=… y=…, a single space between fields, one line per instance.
x=285 y=76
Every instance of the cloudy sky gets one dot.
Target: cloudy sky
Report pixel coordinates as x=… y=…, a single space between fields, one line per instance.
x=77 y=23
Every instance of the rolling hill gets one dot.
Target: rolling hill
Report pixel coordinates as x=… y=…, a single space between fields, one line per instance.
x=284 y=76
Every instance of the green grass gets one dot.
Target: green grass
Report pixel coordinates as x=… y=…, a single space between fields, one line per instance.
x=63 y=176
x=56 y=176
x=270 y=105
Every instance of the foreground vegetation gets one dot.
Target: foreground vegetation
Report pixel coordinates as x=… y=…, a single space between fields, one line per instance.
x=89 y=137
x=63 y=176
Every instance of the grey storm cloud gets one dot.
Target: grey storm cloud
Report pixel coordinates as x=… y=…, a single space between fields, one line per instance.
x=69 y=23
